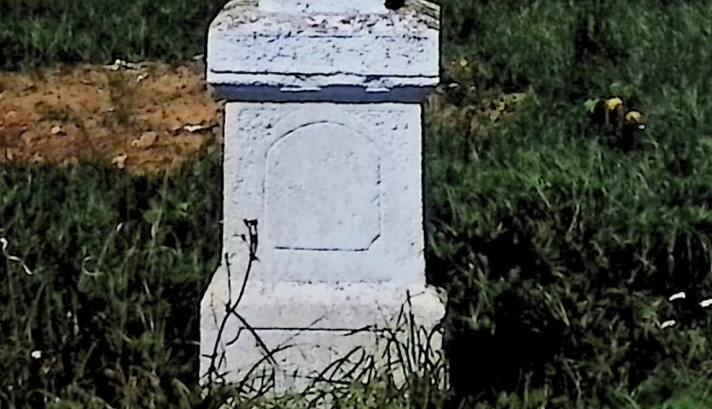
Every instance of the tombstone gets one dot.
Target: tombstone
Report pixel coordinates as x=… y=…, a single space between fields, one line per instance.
x=323 y=169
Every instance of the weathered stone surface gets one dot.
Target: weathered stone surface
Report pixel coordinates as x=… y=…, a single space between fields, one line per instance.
x=323 y=145
x=308 y=327
x=267 y=53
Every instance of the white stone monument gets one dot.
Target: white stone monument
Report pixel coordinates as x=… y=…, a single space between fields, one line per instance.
x=322 y=149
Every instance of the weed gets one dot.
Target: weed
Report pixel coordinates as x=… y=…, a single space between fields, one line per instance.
x=48 y=112
x=121 y=90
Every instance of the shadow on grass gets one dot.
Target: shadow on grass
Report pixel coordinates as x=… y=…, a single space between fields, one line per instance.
x=103 y=275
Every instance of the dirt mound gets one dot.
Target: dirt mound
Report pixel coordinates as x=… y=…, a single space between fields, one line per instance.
x=144 y=118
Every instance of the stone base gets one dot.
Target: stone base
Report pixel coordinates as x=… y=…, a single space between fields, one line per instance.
x=310 y=327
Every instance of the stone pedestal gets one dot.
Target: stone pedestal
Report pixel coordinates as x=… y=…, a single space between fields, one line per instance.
x=323 y=185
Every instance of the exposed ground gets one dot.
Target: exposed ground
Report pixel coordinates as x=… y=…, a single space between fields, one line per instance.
x=143 y=117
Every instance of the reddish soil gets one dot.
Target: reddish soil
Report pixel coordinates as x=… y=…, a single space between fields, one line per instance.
x=145 y=118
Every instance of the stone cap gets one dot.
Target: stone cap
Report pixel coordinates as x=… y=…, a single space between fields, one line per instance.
x=324 y=50
x=323 y=6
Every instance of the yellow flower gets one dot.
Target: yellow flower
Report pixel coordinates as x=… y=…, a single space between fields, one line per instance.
x=612 y=103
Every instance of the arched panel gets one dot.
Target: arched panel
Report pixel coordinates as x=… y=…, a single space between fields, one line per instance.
x=322 y=190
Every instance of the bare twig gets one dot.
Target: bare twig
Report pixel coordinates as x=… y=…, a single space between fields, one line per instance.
x=217 y=360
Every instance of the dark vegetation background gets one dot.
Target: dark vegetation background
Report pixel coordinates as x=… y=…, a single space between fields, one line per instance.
x=558 y=250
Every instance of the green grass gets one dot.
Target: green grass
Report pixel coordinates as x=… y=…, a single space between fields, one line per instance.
x=578 y=241
x=35 y=33
x=117 y=269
